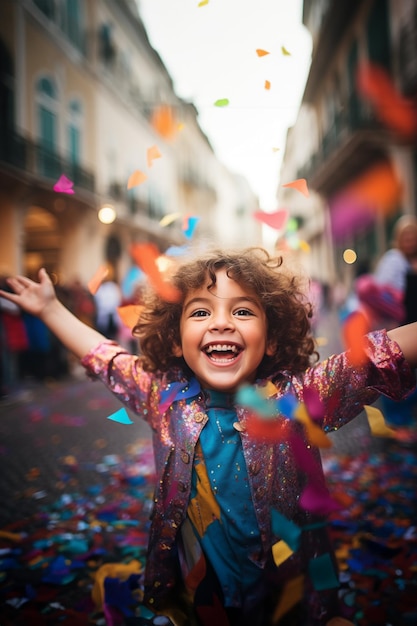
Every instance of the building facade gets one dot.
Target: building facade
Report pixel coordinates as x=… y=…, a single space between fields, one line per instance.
x=83 y=94
x=349 y=145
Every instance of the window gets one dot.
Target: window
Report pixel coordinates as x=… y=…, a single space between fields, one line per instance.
x=74 y=131
x=47 y=114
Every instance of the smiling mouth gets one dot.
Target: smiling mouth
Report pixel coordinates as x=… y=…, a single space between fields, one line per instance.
x=222 y=353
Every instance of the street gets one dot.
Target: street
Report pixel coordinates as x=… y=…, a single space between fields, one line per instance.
x=76 y=491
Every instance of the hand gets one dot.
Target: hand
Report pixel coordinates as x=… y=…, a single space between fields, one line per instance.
x=31 y=296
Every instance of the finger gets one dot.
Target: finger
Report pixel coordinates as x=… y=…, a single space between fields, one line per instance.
x=19 y=283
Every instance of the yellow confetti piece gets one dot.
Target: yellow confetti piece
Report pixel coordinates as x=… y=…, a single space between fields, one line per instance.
x=377 y=423
x=290 y=596
x=267 y=84
x=304 y=246
x=169 y=218
x=222 y=102
x=285 y=52
x=314 y=433
x=261 y=53
x=322 y=341
x=203 y=3
x=281 y=551
x=135 y=179
x=275 y=149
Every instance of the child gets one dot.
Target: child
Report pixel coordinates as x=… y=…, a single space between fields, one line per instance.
x=223 y=498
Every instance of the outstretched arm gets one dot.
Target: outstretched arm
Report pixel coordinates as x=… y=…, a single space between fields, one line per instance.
x=39 y=298
x=406 y=337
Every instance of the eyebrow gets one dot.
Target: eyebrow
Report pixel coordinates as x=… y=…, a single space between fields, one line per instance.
x=234 y=300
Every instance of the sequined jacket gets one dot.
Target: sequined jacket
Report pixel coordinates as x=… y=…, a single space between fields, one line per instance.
x=275 y=477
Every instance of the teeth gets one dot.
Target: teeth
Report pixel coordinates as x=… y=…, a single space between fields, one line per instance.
x=221 y=347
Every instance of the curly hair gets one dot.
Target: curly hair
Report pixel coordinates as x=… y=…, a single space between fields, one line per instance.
x=281 y=294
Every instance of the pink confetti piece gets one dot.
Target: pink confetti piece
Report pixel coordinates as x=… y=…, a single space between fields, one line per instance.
x=276 y=220
x=64 y=185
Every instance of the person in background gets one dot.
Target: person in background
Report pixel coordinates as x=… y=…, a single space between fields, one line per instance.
x=107 y=299
x=231 y=499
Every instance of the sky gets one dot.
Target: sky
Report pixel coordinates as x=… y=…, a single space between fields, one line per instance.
x=210 y=53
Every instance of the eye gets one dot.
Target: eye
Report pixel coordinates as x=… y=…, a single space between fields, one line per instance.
x=199 y=313
x=243 y=312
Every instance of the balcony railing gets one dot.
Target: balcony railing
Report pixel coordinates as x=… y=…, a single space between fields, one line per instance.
x=37 y=160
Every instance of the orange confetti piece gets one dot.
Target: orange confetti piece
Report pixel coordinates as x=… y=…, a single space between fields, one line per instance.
x=146 y=255
x=135 y=179
x=95 y=282
x=354 y=330
x=163 y=121
x=300 y=185
x=314 y=433
x=267 y=84
x=261 y=53
x=392 y=109
x=152 y=154
x=379 y=187
x=129 y=314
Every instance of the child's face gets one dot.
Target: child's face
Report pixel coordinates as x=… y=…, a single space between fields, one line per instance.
x=223 y=334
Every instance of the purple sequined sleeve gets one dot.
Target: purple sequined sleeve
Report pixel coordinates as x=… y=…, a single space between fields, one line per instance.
x=345 y=389
x=123 y=375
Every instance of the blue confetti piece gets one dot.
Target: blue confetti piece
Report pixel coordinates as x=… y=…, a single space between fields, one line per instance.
x=120 y=416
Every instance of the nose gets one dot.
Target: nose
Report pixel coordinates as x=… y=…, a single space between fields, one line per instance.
x=221 y=320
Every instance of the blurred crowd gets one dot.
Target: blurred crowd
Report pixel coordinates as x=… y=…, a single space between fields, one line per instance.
x=30 y=352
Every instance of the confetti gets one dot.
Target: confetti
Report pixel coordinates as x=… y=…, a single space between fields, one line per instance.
x=377 y=423
x=120 y=416
x=64 y=185
x=261 y=53
x=95 y=282
x=164 y=123
x=267 y=84
x=354 y=330
x=394 y=110
x=203 y=3
x=146 y=255
x=152 y=154
x=168 y=219
x=222 y=102
x=189 y=225
x=135 y=179
x=129 y=314
x=300 y=185
x=276 y=220
x=285 y=52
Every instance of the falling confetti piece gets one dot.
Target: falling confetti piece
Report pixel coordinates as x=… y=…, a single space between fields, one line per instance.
x=392 y=109
x=300 y=185
x=95 y=282
x=285 y=52
x=223 y=102
x=354 y=330
x=163 y=121
x=291 y=595
x=189 y=225
x=203 y=3
x=261 y=53
x=281 y=552
x=64 y=185
x=120 y=416
x=146 y=255
x=314 y=433
x=135 y=179
x=276 y=220
x=168 y=219
x=129 y=314
x=267 y=84
x=152 y=154
x=377 y=423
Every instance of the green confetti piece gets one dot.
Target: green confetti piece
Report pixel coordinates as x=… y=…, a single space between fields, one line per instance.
x=223 y=102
